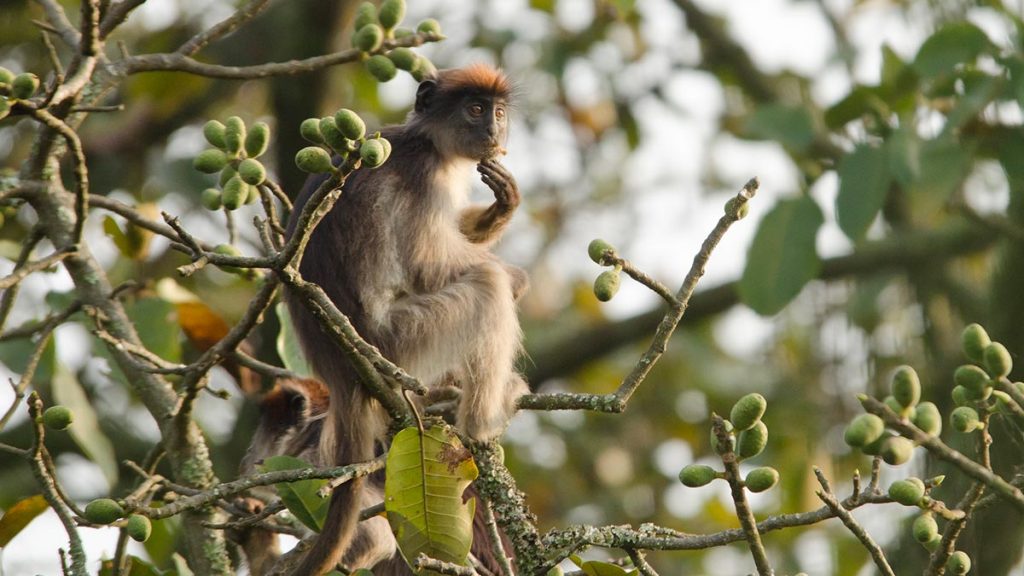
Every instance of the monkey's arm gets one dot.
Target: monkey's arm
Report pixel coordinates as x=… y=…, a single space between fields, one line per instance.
x=484 y=224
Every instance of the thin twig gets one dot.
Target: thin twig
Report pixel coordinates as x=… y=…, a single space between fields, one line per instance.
x=31 y=267
x=222 y=28
x=7 y=299
x=497 y=546
x=426 y=563
x=640 y=562
x=739 y=497
x=826 y=496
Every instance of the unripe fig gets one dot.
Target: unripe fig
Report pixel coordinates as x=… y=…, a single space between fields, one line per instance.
x=925 y=528
x=875 y=448
x=332 y=134
x=5 y=108
x=972 y=378
x=933 y=544
x=310 y=130
x=235 y=193
x=597 y=248
x=964 y=419
x=103 y=511
x=896 y=450
x=747 y=411
x=234 y=135
x=894 y=405
x=961 y=397
x=1003 y=402
x=697 y=475
x=210 y=199
x=214 y=133
x=974 y=340
x=864 y=430
x=252 y=171
x=350 y=124
x=997 y=360
x=400 y=33
x=387 y=146
x=227 y=250
x=314 y=160
x=139 y=528
x=927 y=418
x=6 y=76
x=24 y=85
x=404 y=58
x=210 y=160
x=906 y=386
x=58 y=417
x=372 y=153
x=718 y=448
x=761 y=479
x=752 y=441
x=606 y=285
x=391 y=13
x=423 y=69
x=382 y=68
x=253 y=195
x=906 y=493
x=257 y=140
x=368 y=38
x=959 y=563
x=366 y=14
x=429 y=26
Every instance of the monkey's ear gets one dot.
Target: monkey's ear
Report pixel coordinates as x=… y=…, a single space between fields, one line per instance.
x=425 y=94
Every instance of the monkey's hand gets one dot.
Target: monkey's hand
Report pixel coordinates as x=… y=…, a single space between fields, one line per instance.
x=481 y=224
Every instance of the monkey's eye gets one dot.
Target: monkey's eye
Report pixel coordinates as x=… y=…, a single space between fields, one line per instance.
x=499 y=113
x=476 y=109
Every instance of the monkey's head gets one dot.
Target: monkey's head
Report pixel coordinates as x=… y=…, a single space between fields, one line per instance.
x=464 y=111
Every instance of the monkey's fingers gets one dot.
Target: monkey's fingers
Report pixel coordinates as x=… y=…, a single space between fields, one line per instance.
x=500 y=180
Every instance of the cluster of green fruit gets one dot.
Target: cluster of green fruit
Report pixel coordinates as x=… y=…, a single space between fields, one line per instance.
x=373 y=27
x=607 y=283
x=234 y=156
x=343 y=133
x=747 y=437
x=975 y=383
x=914 y=492
x=867 y=431
x=15 y=87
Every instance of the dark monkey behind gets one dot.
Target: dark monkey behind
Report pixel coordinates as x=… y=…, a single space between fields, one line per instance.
x=407 y=259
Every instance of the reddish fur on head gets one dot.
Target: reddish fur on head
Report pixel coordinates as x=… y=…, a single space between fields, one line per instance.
x=476 y=77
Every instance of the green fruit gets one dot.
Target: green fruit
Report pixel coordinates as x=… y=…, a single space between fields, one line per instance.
x=258 y=139
x=906 y=492
x=391 y=13
x=423 y=69
x=997 y=360
x=400 y=33
x=381 y=67
x=747 y=411
x=752 y=441
x=961 y=397
x=139 y=528
x=6 y=76
x=252 y=171
x=368 y=38
x=234 y=135
x=214 y=133
x=933 y=544
x=972 y=378
x=896 y=450
x=372 y=153
x=597 y=249
x=1003 y=402
x=314 y=160
x=350 y=124
x=366 y=14
x=864 y=430
x=606 y=285
x=332 y=134
x=58 y=417
x=761 y=479
x=964 y=419
x=210 y=199
x=927 y=418
x=959 y=563
x=875 y=448
x=925 y=528
x=697 y=475
x=893 y=404
x=974 y=340
x=387 y=147
x=103 y=511
x=5 y=107
x=906 y=386
x=235 y=193
x=254 y=194
x=404 y=59
x=227 y=250
x=730 y=439
x=210 y=160
x=429 y=26
x=310 y=130
x=24 y=85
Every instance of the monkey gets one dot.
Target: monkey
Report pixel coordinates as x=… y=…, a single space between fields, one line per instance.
x=290 y=423
x=406 y=258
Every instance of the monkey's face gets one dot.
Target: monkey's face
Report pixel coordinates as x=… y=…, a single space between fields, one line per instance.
x=476 y=127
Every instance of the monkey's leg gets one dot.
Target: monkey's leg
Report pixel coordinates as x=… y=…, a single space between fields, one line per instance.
x=469 y=328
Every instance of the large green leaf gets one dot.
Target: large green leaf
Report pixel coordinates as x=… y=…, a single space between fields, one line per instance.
x=791 y=126
x=424 y=482
x=944 y=162
x=979 y=90
x=288 y=344
x=863 y=184
x=17 y=517
x=85 y=430
x=954 y=44
x=301 y=498
x=860 y=101
x=782 y=257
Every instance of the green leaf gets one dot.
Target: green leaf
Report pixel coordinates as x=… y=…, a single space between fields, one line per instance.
x=301 y=498
x=945 y=162
x=156 y=321
x=423 y=487
x=18 y=516
x=860 y=101
x=904 y=148
x=85 y=430
x=782 y=257
x=863 y=184
x=954 y=44
x=791 y=126
x=15 y=354
x=181 y=566
x=113 y=230
x=598 y=568
x=288 y=344
x=898 y=83
x=979 y=90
